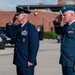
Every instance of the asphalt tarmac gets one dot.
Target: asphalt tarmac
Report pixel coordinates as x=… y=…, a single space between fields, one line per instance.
x=47 y=58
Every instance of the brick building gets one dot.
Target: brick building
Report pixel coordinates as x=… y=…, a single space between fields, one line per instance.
x=5 y=16
x=42 y=18
x=66 y=2
x=41 y=14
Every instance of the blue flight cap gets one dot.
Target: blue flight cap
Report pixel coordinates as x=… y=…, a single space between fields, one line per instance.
x=67 y=8
x=20 y=10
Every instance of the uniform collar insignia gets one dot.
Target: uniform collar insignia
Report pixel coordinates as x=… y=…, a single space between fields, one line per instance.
x=64 y=8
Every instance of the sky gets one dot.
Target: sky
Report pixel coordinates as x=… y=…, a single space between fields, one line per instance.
x=10 y=5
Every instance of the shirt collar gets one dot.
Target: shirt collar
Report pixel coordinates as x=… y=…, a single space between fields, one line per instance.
x=23 y=24
x=71 y=22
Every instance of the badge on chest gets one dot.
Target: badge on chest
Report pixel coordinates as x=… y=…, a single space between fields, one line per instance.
x=23 y=40
x=24 y=32
x=71 y=31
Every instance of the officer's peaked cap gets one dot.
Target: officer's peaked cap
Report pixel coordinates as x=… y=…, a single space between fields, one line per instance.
x=67 y=8
x=20 y=10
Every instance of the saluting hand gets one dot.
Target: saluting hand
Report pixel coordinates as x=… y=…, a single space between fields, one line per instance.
x=58 y=18
x=13 y=20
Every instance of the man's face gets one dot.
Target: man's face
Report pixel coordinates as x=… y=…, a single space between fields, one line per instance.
x=66 y=17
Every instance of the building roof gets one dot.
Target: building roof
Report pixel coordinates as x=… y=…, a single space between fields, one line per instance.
x=54 y=8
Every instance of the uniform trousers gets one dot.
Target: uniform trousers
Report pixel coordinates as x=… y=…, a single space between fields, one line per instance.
x=22 y=70
x=68 y=70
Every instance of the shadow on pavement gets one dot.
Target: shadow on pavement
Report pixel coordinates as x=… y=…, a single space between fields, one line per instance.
x=9 y=46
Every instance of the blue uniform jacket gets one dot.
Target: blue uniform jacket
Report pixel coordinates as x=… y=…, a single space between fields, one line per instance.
x=26 y=43
x=67 y=32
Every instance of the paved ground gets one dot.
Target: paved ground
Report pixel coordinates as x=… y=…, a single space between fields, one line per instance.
x=47 y=58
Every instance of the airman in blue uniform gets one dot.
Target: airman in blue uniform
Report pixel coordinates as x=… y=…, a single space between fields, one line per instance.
x=67 y=32
x=26 y=42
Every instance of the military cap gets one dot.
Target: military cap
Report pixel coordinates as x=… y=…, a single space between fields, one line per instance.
x=67 y=8
x=20 y=10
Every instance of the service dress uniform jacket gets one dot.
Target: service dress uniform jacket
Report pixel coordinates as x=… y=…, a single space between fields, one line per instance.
x=26 y=43
x=67 y=32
